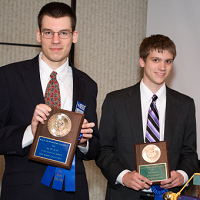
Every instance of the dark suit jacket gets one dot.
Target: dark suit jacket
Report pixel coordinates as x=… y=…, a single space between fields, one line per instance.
x=20 y=92
x=121 y=128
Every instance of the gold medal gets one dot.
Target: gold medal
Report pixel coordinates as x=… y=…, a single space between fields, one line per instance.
x=151 y=153
x=59 y=125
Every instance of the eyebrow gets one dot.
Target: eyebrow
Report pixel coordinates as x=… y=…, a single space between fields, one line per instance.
x=47 y=29
x=161 y=59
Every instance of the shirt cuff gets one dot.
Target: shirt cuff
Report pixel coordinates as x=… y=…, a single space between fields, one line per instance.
x=120 y=176
x=184 y=175
x=28 y=137
x=84 y=149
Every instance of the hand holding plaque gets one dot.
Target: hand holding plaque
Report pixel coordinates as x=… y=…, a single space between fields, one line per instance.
x=55 y=141
x=152 y=161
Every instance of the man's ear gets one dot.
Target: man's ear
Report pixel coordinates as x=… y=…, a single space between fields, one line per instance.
x=38 y=35
x=142 y=63
x=75 y=36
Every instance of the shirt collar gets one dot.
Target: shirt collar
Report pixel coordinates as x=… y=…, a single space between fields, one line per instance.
x=146 y=93
x=45 y=70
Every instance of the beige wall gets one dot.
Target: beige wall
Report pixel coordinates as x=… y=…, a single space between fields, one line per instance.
x=110 y=32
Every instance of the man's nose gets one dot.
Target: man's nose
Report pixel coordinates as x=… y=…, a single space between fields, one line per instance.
x=162 y=66
x=56 y=38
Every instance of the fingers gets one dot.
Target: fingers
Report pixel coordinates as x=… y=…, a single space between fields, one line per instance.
x=145 y=182
x=87 y=125
x=40 y=115
x=87 y=128
x=169 y=183
x=86 y=131
x=136 y=181
x=176 y=179
x=41 y=112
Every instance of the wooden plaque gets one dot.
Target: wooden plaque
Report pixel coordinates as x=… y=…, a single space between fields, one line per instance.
x=152 y=161
x=56 y=140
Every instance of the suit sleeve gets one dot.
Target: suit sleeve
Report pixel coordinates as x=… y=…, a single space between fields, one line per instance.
x=10 y=135
x=188 y=161
x=107 y=161
x=91 y=116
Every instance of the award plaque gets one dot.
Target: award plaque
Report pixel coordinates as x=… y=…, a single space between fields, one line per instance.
x=152 y=161
x=55 y=141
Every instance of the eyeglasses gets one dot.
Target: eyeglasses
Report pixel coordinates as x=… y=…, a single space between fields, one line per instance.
x=48 y=34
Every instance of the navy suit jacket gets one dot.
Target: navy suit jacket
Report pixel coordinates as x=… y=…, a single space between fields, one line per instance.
x=20 y=92
x=121 y=128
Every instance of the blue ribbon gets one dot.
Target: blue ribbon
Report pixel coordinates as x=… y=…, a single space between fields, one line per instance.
x=70 y=181
x=48 y=175
x=58 y=178
x=158 y=191
x=60 y=174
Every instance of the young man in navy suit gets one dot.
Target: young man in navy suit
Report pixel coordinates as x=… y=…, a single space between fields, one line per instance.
x=22 y=108
x=124 y=122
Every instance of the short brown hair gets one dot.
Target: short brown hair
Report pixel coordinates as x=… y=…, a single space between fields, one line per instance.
x=57 y=10
x=156 y=42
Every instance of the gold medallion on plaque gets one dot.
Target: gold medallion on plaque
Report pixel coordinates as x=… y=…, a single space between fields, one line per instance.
x=151 y=153
x=59 y=125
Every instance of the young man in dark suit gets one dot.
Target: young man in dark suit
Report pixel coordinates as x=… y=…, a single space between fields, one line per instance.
x=22 y=108
x=124 y=123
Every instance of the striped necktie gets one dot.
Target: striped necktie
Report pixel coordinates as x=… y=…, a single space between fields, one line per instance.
x=153 y=130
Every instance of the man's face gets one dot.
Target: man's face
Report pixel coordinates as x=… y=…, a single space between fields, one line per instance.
x=56 y=50
x=156 y=69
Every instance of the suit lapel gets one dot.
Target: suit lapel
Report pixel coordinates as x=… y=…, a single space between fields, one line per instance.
x=31 y=76
x=133 y=106
x=78 y=88
x=172 y=112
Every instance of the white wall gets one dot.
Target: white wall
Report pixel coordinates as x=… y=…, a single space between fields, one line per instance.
x=180 y=20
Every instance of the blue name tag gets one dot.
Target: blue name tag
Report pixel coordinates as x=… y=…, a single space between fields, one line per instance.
x=80 y=108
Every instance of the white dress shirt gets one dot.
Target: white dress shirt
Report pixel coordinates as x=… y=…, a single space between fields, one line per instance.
x=146 y=99
x=65 y=80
